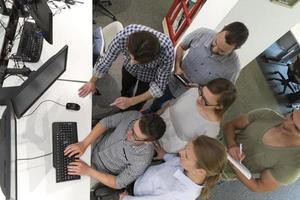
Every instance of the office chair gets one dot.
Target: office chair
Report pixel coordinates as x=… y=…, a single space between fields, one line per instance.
x=102 y=37
x=293 y=76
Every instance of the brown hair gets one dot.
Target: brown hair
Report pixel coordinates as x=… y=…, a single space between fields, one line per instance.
x=144 y=46
x=153 y=126
x=211 y=156
x=237 y=34
x=226 y=92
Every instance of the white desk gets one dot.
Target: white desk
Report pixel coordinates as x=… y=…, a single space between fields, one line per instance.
x=72 y=27
x=36 y=178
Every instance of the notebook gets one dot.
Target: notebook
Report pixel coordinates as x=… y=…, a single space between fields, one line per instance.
x=239 y=166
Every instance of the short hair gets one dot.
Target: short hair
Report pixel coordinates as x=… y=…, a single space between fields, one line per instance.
x=153 y=126
x=226 y=91
x=144 y=46
x=237 y=34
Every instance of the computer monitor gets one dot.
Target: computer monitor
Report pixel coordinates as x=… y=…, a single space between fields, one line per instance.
x=8 y=154
x=26 y=94
x=42 y=16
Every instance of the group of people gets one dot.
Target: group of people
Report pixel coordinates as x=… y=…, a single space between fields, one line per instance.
x=182 y=124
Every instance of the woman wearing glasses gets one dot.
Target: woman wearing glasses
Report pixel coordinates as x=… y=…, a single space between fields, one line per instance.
x=199 y=111
x=194 y=172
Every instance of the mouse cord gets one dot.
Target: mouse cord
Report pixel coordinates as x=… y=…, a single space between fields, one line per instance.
x=32 y=158
x=42 y=103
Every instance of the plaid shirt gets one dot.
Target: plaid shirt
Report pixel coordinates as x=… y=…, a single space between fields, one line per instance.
x=157 y=72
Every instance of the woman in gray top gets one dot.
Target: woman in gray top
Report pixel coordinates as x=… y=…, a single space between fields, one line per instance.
x=198 y=111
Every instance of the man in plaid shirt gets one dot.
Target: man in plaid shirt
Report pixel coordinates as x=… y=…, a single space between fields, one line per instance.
x=148 y=58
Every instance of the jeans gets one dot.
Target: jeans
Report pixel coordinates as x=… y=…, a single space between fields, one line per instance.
x=157 y=103
x=128 y=84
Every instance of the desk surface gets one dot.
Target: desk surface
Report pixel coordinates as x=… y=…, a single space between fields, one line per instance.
x=36 y=178
x=72 y=27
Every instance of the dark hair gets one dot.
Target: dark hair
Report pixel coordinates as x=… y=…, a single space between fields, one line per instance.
x=211 y=156
x=237 y=34
x=226 y=92
x=144 y=46
x=153 y=126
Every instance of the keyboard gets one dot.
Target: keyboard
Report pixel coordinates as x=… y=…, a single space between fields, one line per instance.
x=64 y=134
x=31 y=43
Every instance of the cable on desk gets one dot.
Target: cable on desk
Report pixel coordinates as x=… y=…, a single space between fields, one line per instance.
x=42 y=103
x=32 y=158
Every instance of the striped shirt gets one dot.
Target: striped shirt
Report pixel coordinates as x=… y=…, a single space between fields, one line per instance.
x=156 y=72
x=115 y=155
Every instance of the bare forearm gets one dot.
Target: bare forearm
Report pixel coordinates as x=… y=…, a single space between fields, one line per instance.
x=95 y=133
x=229 y=133
x=93 y=79
x=104 y=178
x=141 y=98
x=179 y=55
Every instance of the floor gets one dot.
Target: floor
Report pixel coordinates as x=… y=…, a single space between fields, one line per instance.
x=254 y=91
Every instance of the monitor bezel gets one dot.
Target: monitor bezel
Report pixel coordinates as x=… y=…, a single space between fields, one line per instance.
x=37 y=73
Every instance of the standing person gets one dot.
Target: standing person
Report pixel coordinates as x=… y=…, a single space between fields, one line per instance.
x=148 y=59
x=210 y=55
x=271 y=148
x=193 y=173
x=199 y=111
x=118 y=158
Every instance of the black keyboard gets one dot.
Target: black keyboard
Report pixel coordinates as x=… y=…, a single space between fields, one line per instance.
x=31 y=43
x=64 y=134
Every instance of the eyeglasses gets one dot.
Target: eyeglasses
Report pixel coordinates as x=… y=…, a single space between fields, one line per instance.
x=134 y=135
x=206 y=103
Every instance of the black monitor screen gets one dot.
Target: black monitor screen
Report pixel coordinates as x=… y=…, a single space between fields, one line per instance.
x=8 y=155
x=42 y=16
x=39 y=82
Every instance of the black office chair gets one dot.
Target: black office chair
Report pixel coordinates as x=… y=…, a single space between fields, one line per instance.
x=293 y=74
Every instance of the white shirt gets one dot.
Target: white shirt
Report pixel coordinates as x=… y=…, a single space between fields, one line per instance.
x=165 y=181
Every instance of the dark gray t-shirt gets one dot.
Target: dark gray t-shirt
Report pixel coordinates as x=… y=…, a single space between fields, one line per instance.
x=200 y=65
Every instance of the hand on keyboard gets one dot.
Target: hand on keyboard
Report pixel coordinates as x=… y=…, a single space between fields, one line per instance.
x=76 y=149
x=79 y=168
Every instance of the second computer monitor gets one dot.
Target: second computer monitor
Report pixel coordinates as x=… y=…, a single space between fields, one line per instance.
x=42 y=16
x=39 y=82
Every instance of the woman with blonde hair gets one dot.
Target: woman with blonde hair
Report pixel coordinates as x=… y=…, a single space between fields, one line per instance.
x=199 y=111
x=193 y=173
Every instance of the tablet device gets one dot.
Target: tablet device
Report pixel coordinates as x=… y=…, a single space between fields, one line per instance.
x=183 y=80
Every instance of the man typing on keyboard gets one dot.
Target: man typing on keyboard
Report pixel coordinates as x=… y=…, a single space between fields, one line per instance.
x=118 y=157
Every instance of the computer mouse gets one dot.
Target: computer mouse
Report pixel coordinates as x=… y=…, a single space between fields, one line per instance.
x=72 y=106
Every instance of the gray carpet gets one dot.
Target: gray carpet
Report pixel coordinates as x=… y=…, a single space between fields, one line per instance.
x=253 y=90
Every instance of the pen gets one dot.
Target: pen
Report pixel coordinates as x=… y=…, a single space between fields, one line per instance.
x=241 y=150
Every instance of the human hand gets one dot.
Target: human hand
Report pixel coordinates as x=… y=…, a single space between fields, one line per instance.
x=123 y=194
x=159 y=150
x=86 y=89
x=78 y=168
x=235 y=153
x=122 y=102
x=76 y=149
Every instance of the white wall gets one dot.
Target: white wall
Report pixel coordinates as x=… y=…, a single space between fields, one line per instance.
x=265 y=20
x=211 y=14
